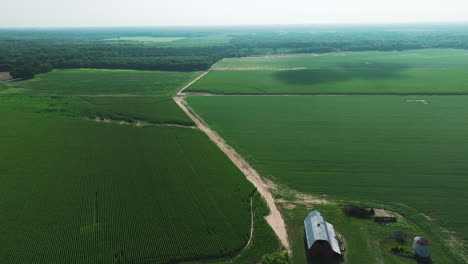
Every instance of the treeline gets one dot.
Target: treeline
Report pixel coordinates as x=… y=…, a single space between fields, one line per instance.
x=25 y=53
x=25 y=58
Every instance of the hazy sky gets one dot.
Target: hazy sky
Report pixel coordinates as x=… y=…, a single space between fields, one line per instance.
x=76 y=13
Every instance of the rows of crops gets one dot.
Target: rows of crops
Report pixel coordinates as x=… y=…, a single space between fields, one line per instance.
x=408 y=72
x=378 y=148
x=74 y=191
x=335 y=81
x=427 y=58
x=99 y=82
x=151 y=109
x=263 y=241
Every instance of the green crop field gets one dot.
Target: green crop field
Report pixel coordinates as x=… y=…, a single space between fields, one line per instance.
x=427 y=58
x=78 y=191
x=409 y=72
x=151 y=109
x=101 y=82
x=340 y=81
x=368 y=148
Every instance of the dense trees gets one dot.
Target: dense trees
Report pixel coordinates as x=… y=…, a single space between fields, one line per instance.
x=29 y=52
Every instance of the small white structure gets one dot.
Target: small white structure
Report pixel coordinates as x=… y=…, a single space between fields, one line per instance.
x=320 y=235
x=421 y=247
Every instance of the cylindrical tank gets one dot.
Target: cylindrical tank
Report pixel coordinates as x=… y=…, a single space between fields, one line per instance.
x=421 y=247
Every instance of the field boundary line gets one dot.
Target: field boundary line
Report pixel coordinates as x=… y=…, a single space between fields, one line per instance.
x=137 y=123
x=314 y=68
x=205 y=93
x=274 y=219
x=192 y=82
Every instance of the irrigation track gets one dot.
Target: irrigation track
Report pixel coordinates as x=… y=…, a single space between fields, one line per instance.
x=274 y=219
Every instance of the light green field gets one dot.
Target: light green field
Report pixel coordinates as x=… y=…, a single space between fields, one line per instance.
x=427 y=58
x=340 y=81
x=368 y=148
x=147 y=39
x=103 y=82
x=409 y=72
x=201 y=41
x=150 y=109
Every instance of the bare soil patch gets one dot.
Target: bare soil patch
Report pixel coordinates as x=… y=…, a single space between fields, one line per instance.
x=416 y=101
x=5 y=76
x=406 y=55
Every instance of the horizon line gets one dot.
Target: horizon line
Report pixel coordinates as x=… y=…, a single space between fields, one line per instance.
x=342 y=24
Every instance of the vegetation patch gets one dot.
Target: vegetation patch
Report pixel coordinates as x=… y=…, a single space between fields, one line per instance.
x=440 y=58
x=335 y=81
x=106 y=82
x=146 y=39
x=131 y=109
x=161 y=197
x=367 y=148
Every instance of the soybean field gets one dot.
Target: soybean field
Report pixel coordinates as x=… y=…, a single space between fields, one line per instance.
x=410 y=72
x=391 y=149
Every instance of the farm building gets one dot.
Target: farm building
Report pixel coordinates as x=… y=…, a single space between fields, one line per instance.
x=421 y=247
x=380 y=215
x=320 y=236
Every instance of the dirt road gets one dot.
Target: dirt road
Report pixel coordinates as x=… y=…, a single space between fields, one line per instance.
x=275 y=219
x=190 y=83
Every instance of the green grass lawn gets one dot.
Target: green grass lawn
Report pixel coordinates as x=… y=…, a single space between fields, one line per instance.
x=104 y=82
x=164 y=194
x=335 y=81
x=365 y=240
x=427 y=58
x=367 y=148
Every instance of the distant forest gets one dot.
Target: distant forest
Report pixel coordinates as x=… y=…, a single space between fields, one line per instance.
x=26 y=52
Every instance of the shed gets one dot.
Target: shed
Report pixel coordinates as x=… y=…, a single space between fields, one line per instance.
x=380 y=215
x=421 y=247
x=320 y=236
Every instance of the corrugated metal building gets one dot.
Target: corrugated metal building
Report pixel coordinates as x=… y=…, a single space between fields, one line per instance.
x=320 y=235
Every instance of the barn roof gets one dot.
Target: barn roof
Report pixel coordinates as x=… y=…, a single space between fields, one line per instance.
x=317 y=228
